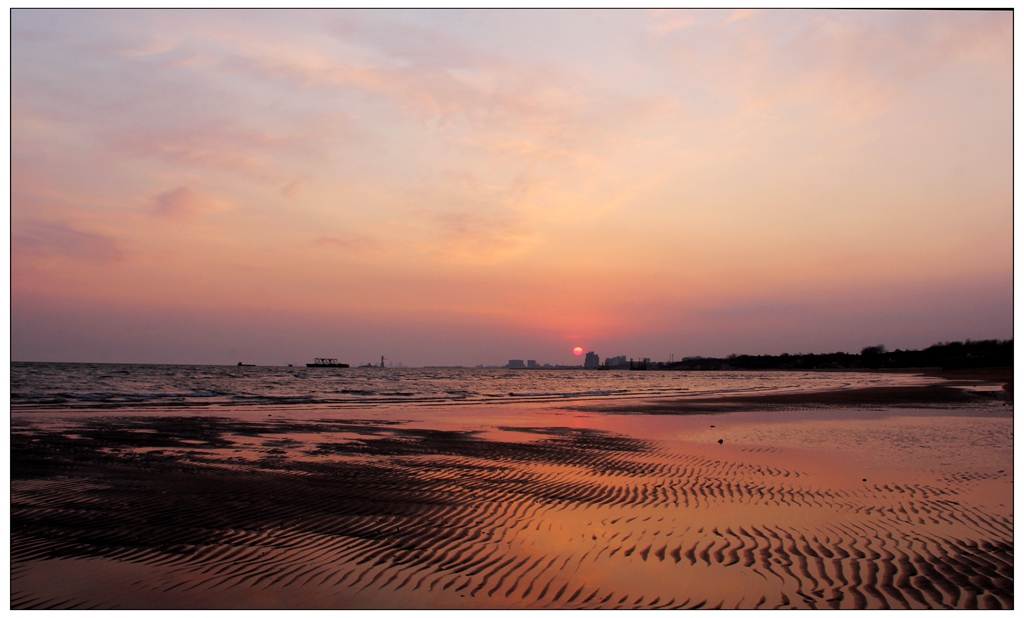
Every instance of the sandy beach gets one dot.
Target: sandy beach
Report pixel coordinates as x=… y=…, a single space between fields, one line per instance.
x=893 y=498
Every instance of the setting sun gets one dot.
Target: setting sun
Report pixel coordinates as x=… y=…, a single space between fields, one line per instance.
x=578 y=351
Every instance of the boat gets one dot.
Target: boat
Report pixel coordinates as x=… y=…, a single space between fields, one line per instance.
x=327 y=362
x=241 y=364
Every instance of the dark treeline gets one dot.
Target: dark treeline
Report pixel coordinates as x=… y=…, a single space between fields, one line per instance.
x=950 y=355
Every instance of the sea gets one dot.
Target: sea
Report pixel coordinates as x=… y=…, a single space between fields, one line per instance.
x=98 y=386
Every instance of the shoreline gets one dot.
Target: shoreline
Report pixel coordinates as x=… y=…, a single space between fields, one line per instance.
x=956 y=391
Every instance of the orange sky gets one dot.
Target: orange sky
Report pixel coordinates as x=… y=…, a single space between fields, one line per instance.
x=463 y=187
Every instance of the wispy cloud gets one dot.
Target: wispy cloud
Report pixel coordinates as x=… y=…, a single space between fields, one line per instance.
x=256 y=154
x=184 y=203
x=738 y=15
x=355 y=244
x=667 y=21
x=48 y=238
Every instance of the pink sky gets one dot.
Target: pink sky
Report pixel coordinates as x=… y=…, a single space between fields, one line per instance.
x=464 y=187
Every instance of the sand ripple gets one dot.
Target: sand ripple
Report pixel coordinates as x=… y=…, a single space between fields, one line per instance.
x=109 y=516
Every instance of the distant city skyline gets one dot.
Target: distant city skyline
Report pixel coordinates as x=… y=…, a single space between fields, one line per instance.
x=463 y=187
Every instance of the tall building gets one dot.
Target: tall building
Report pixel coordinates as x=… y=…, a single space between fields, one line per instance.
x=516 y=364
x=592 y=361
x=532 y=364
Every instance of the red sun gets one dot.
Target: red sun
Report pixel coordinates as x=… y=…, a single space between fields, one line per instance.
x=578 y=351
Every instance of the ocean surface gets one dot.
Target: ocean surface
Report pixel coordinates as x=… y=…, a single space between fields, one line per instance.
x=86 y=386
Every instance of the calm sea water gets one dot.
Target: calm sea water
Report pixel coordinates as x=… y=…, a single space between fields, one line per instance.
x=39 y=386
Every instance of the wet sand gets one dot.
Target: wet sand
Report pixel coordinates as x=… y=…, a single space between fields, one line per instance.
x=862 y=503
x=945 y=394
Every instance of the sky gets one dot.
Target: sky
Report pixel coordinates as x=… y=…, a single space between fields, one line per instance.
x=466 y=187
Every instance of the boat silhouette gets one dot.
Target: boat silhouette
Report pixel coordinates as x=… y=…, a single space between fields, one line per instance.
x=327 y=362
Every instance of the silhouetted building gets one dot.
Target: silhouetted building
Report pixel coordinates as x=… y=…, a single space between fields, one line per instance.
x=516 y=364
x=592 y=361
x=532 y=364
x=615 y=361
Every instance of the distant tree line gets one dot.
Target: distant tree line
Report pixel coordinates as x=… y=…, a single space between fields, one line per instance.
x=947 y=355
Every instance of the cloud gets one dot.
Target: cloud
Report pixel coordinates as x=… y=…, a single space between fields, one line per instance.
x=58 y=238
x=479 y=234
x=184 y=203
x=273 y=98
x=474 y=216
x=737 y=15
x=668 y=21
x=459 y=87
x=858 y=68
x=826 y=71
x=351 y=244
x=411 y=44
x=292 y=189
x=258 y=154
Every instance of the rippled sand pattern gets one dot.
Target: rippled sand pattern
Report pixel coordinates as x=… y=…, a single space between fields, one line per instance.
x=191 y=512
